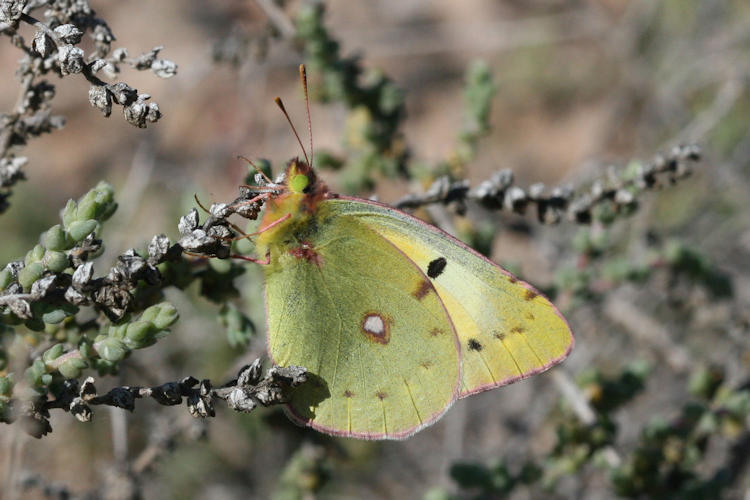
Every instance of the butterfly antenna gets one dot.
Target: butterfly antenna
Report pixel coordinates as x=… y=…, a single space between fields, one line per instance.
x=195 y=195
x=240 y=157
x=303 y=77
x=283 y=110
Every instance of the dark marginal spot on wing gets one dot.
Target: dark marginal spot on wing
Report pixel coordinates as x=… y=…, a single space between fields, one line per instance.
x=517 y=329
x=422 y=290
x=436 y=267
x=348 y=394
x=499 y=336
x=474 y=345
x=435 y=332
x=512 y=279
x=381 y=395
x=529 y=294
x=530 y=316
x=426 y=364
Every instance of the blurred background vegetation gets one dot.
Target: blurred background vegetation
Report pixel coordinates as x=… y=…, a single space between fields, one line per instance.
x=653 y=401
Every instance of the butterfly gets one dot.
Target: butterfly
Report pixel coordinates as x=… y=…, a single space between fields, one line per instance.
x=393 y=318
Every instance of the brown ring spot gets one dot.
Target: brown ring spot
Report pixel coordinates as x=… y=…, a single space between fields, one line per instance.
x=530 y=294
x=348 y=394
x=376 y=327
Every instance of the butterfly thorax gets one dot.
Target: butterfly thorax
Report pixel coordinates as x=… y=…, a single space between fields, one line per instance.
x=297 y=205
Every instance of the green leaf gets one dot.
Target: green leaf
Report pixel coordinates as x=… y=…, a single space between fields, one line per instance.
x=111 y=349
x=72 y=368
x=6 y=278
x=54 y=238
x=78 y=230
x=56 y=261
x=30 y=274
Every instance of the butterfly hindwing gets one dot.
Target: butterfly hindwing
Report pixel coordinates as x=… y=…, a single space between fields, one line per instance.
x=367 y=323
x=507 y=330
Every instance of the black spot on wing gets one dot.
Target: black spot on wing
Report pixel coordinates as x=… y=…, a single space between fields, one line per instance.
x=436 y=267
x=474 y=345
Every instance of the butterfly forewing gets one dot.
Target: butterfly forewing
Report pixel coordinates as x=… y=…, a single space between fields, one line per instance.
x=367 y=323
x=506 y=329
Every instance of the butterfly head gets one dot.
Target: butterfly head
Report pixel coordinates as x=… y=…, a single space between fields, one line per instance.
x=300 y=178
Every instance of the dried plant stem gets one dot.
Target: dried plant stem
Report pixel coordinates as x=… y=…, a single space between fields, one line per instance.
x=278 y=18
x=580 y=405
x=620 y=308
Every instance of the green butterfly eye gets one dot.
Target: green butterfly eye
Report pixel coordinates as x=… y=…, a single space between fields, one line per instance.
x=299 y=183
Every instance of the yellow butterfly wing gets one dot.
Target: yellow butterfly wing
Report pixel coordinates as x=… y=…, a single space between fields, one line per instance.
x=378 y=344
x=507 y=329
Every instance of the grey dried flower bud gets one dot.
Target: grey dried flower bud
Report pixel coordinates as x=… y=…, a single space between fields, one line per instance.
x=102 y=33
x=164 y=68
x=439 y=187
x=82 y=275
x=75 y=297
x=120 y=54
x=87 y=390
x=624 y=197
x=122 y=397
x=10 y=170
x=196 y=241
x=19 y=307
x=158 y=248
x=122 y=93
x=70 y=59
x=597 y=188
x=549 y=215
x=114 y=300
x=241 y=400
x=561 y=195
x=484 y=190
x=42 y=286
x=515 y=199
x=250 y=374
x=188 y=223
x=140 y=112
x=168 y=394
x=38 y=94
x=97 y=65
x=101 y=98
x=14 y=267
x=200 y=405
x=11 y=10
x=145 y=60
x=68 y=33
x=220 y=210
x=80 y=410
x=291 y=375
x=536 y=190
x=43 y=44
x=503 y=179
x=580 y=209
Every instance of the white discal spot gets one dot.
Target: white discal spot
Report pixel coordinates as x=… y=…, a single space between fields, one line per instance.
x=374 y=324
